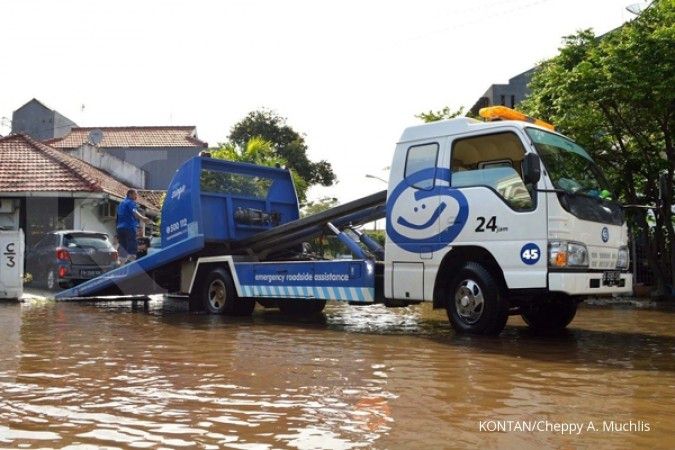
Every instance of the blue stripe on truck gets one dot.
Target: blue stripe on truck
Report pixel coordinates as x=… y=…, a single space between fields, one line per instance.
x=348 y=280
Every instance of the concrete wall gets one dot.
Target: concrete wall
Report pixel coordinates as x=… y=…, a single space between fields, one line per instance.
x=9 y=214
x=35 y=120
x=514 y=92
x=124 y=171
x=62 y=125
x=40 y=122
x=86 y=217
x=160 y=165
x=506 y=94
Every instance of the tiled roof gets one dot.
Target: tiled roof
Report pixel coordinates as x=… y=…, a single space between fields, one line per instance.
x=155 y=198
x=31 y=166
x=132 y=137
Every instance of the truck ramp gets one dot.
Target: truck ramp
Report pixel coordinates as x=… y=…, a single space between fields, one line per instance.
x=134 y=278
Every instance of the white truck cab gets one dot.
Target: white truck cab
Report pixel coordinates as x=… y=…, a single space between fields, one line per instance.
x=489 y=219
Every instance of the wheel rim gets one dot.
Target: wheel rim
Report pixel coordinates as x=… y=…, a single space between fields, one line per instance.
x=50 y=280
x=217 y=294
x=469 y=301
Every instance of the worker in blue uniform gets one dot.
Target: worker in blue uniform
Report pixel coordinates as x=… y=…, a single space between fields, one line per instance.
x=127 y=226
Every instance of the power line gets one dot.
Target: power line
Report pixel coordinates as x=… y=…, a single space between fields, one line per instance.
x=477 y=20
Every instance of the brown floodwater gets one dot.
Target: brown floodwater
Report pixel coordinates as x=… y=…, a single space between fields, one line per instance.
x=112 y=375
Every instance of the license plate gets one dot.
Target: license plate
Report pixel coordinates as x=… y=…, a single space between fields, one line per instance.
x=611 y=278
x=90 y=273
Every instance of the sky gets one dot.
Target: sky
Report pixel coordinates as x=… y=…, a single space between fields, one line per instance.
x=350 y=75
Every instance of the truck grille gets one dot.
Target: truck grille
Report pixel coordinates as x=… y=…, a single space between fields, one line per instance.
x=602 y=258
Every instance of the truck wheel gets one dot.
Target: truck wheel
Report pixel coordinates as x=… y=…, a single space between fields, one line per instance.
x=220 y=297
x=551 y=314
x=476 y=305
x=301 y=307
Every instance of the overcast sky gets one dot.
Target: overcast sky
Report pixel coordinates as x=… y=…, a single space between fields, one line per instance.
x=350 y=74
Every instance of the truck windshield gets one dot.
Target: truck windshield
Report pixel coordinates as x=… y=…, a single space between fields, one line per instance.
x=569 y=166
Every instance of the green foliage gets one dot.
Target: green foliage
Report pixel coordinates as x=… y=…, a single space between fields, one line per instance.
x=158 y=220
x=443 y=114
x=327 y=246
x=287 y=144
x=258 y=151
x=315 y=207
x=255 y=150
x=614 y=95
x=378 y=235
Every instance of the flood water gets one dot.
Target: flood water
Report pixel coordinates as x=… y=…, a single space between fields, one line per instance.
x=113 y=375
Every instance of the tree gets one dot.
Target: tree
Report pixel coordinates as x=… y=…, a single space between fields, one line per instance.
x=615 y=96
x=443 y=114
x=255 y=151
x=315 y=207
x=287 y=143
x=326 y=245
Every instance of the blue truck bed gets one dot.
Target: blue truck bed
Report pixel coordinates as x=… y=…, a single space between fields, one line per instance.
x=219 y=209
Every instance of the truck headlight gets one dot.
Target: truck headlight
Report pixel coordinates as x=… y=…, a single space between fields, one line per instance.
x=562 y=254
x=623 y=259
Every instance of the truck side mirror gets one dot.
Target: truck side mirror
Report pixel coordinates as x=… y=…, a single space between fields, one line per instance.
x=531 y=168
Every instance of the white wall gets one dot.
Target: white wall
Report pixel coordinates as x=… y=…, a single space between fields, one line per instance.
x=86 y=217
x=9 y=221
x=9 y=214
x=122 y=170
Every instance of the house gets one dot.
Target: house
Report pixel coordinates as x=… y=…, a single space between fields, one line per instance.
x=142 y=157
x=44 y=189
x=157 y=151
x=40 y=121
x=509 y=94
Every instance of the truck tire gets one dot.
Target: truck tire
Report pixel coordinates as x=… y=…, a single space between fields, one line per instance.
x=219 y=296
x=301 y=307
x=551 y=314
x=476 y=304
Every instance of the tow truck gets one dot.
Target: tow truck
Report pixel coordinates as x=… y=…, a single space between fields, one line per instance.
x=485 y=219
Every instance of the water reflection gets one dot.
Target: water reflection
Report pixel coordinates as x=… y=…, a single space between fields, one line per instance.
x=116 y=375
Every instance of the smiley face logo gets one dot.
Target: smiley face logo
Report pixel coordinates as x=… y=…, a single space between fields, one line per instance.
x=423 y=226
x=425 y=220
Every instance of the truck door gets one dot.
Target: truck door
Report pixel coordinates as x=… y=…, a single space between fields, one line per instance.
x=504 y=216
x=412 y=212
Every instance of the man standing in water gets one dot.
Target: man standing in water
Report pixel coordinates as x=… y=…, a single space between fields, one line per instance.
x=127 y=226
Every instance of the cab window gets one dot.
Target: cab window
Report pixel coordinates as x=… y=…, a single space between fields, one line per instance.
x=494 y=161
x=418 y=158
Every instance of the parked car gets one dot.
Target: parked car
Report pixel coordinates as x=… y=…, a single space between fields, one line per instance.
x=65 y=258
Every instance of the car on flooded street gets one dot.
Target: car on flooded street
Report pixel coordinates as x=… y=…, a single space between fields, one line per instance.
x=62 y=259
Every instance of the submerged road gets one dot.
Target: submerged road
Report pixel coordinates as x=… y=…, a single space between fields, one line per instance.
x=114 y=375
